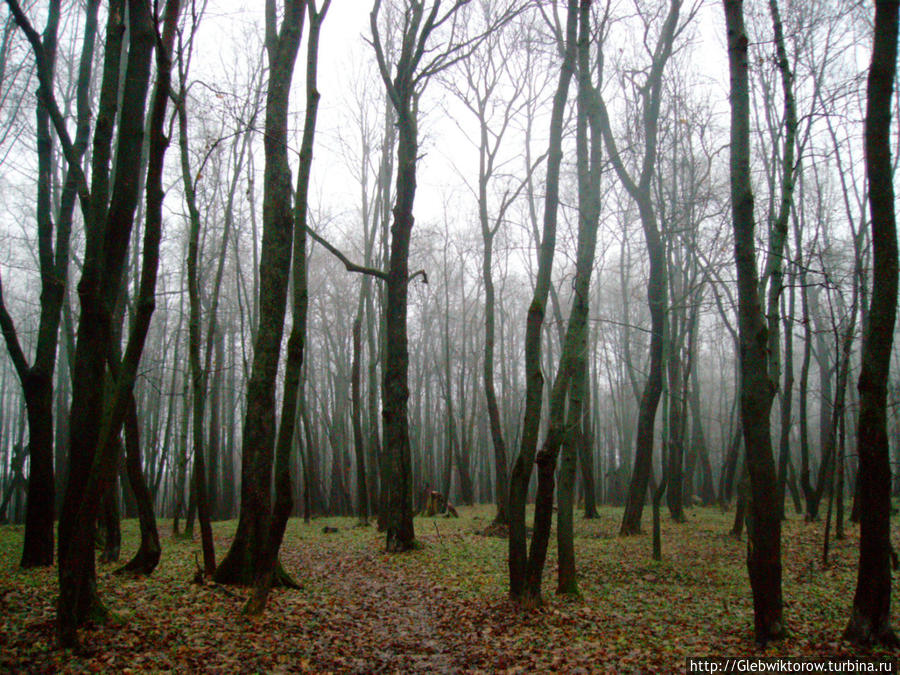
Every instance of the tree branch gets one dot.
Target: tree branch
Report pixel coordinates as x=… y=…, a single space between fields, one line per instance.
x=56 y=116
x=8 y=329
x=349 y=264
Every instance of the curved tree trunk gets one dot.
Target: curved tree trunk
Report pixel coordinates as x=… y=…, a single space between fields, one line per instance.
x=147 y=556
x=657 y=284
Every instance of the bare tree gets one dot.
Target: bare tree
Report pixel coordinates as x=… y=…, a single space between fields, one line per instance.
x=639 y=189
x=487 y=73
x=416 y=63
x=870 y=620
x=757 y=386
x=37 y=377
x=522 y=584
x=248 y=554
x=108 y=207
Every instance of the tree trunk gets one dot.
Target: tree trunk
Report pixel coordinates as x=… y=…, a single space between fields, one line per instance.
x=147 y=556
x=109 y=520
x=108 y=230
x=586 y=448
x=247 y=556
x=570 y=383
x=640 y=192
x=520 y=588
x=757 y=388
x=658 y=492
x=362 y=492
x=37 y=379
x=870 y=619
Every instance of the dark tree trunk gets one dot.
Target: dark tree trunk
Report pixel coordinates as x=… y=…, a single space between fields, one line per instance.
x=147 y=556
x=37 y=379
x=199 y=376
x=674 y=468
x=281 y=509
x=112 y=530
x=658 y=492
x=586 y=448
x=38 y=546
x=519 y=583
x=362 y=491
x=37 y=382
x=16 y=481
x=870 y=621
x=403 y=81
x=214 y=480
x=399 y=531
x=657 y=284
x=757 y=388
x=247 y=556
x=108 y=231
x=589 y=147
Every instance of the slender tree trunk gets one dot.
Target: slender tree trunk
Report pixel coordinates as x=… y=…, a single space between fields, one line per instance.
x=147 y=556
x=658 y=492
x=774 y=272
x=247 y=556
x=586 y=447
x=657 y=284
x=520 y=588
x=362 y=492
x=870 y=619
x=757 y=388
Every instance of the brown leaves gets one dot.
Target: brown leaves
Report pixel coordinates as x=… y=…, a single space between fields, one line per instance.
x=441 y=608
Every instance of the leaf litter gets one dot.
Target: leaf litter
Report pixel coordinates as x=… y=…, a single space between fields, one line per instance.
x=441 y=608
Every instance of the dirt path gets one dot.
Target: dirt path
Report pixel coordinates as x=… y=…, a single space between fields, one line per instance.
x=385 y=619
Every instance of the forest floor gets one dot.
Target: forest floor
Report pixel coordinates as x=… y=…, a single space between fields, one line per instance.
x=442 y=608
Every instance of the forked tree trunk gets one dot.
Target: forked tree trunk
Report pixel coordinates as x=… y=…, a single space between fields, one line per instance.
x=404 y=78
x=520 y=587
x=248 y=554
x=108 y=229
x=589 y=147
x=281 y=510
x=774 y=273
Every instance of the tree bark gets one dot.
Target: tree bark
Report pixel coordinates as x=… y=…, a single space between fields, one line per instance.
x=520 y=587
x=247 y=555
x=757 y=387
x=870 y=619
